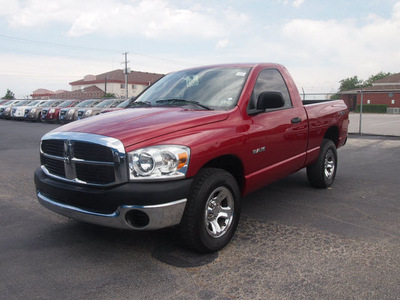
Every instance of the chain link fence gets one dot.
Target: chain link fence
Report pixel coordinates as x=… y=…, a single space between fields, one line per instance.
x=378 y=114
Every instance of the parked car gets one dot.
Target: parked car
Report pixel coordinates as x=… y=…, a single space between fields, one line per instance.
x=18 y=112
x=8 y=110
x=97 y=109
x=35 y=113
x=195 y=144
x=4 y=101
x=71 y=114
x=5 y=104
x=52 y=114
x=120 y=106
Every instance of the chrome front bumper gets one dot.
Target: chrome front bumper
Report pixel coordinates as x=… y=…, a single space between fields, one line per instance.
x=138 y=217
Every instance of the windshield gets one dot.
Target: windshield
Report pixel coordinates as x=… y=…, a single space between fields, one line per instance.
x=47 y=103
x=125 y=103
x=105 y=103
x=85 y=103
x=66 y=103
x=34 y=103
x=22 y=103
x=216 y=88
x=50 y=103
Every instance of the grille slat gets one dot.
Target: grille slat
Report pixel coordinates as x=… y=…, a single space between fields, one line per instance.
x=94 y=152
x=53 y=147
x=95 y=174
x=54 y=166
x=87 y=169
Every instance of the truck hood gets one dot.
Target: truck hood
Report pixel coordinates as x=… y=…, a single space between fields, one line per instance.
x=135 y=125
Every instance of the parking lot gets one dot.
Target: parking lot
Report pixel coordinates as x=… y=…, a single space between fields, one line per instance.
x=293 y=241
x=375 y=124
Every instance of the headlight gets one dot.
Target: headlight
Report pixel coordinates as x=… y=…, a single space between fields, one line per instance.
x=33 y=110
x=88 y=112
x=71 y=111
x=159 y=162
x=51 y=111
x=8 y=109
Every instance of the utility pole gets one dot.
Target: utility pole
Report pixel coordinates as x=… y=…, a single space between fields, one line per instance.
x=126 y=74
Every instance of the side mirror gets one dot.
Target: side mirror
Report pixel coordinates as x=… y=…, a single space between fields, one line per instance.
x=270 y=100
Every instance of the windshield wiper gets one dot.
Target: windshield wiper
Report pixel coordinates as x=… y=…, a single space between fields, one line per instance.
x=139 y=104
x=183 y=101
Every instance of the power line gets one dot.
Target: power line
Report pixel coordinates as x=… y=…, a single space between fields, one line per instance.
x=51 y=44
x=57 y=44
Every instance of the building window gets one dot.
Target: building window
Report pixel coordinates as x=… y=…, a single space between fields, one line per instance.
x=393 y=101
x=133 y=87
x=368 y=101
x=122 y=85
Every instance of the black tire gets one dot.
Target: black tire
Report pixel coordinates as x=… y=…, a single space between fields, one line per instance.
x=321 y=174
x=212 y=211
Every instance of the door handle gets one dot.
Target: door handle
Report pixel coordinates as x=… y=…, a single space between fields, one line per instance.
x=296 y=120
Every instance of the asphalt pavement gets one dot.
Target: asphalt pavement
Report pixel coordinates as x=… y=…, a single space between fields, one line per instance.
x=293 y=241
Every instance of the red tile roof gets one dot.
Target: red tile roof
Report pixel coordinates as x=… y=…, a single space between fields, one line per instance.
x=392 y=79
x=118 y=76
x=86 y=93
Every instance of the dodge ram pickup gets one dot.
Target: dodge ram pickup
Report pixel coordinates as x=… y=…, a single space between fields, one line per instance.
x=188 y=149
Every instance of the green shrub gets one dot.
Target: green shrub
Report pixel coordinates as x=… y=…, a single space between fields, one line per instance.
x=373 y=108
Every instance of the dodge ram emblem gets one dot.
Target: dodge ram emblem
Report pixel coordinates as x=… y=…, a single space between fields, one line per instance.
x=68 y=151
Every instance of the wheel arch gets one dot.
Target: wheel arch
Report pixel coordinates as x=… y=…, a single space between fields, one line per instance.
x=230 y=163
x=332 y=134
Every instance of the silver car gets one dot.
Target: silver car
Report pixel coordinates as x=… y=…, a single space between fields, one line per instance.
x=18 y=112
x=71 y=114
x=35 y=113
x=6 y=114
x=97 y=109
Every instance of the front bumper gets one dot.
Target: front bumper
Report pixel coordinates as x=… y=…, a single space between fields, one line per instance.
x=139 y=206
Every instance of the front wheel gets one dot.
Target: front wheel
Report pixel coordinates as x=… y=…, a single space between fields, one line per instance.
x=212 y=211
x=322 y=172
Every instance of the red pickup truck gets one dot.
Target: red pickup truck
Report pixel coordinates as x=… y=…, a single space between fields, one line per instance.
x=188 y=149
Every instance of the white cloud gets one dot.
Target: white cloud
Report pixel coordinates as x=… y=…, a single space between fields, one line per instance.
x=345 y=48
x=222 y=44
x=149 y=18
x=298 y=3
x=295 y=3
x=319 y=52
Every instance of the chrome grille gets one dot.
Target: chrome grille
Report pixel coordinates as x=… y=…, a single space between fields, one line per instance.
x=54 y=166
x=83 y=158
x=53 y=147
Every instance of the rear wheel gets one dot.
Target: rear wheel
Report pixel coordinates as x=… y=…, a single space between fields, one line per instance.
x=322 y=172
x=212 y=212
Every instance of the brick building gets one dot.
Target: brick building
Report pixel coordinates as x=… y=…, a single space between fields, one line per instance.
x=384 y=91
x=113 y=82
x=97 y=86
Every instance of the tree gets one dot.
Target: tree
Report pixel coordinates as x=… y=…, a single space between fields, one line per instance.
x=374 y=78
x=350 y=84
x=109 y=95
x=355 y=83
x=9 y=95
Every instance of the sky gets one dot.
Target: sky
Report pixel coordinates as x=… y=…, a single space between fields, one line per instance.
x=48 y=44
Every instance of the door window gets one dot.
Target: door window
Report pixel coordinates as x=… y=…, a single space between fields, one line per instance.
x=270 y=80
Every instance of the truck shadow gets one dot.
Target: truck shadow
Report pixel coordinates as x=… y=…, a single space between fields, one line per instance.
x=163 y=245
